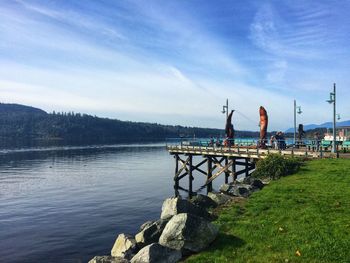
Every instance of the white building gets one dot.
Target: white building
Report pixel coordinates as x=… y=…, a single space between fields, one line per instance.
x=343 y=134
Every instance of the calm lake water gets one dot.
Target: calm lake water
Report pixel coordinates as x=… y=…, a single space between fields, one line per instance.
x=69 y=204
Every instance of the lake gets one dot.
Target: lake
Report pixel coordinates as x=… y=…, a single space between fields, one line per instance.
x=68 y=204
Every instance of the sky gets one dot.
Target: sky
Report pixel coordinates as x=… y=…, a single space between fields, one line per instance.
x=176 y=62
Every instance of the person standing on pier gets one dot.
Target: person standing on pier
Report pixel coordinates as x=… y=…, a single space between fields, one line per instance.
x=230 y=132
x=317 y=140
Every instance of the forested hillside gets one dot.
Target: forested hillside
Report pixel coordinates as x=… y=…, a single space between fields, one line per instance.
x=24 y=125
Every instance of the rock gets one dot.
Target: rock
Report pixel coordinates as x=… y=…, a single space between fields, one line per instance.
x=258 y=184
x=124 y=247
x=254 y=182
x=187 y=232
x=242 y=190
x=151 y=233
x=174 y=206
x=108 y=259
x=203 y=201
x=156 y=253
x=146 y=224
x=219 y=198
x=224 y=188
x=237 y=189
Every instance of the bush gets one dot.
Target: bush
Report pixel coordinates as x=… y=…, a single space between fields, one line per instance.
x=275 y=166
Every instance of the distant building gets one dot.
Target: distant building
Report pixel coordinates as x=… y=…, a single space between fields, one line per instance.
x=343 y=134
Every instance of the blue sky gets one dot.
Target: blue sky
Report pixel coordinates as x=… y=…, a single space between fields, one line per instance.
x=176 y=62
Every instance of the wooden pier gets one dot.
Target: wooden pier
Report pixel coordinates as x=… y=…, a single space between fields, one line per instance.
x=215 y=161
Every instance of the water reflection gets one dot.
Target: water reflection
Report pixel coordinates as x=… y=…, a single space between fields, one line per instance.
x=69 y=204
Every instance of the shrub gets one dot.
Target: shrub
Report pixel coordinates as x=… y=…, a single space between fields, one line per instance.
x=275 y=166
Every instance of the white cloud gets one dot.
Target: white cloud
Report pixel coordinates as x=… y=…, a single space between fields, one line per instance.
x=75 y=19
x=181 y=75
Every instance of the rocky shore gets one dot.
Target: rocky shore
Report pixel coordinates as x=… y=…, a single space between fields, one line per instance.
x=185 y=227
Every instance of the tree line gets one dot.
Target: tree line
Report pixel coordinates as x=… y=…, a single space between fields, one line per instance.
x=29 y=126
x=26 y=125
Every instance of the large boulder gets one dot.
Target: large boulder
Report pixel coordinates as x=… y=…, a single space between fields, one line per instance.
x=176 y=205
x=124 y=247
x=254 y=182
x=237 y=189
x=156 y=253
x=203 y=201
x=146 y=224
x=151 y=233
x=225 y=187
x=187 y=232
x=219 y=198
x=243 y=190
x=108 y=259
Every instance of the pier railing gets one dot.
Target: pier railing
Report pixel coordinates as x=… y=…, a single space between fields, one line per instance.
x=212 y=159
x=242 y=151
x=286 y=146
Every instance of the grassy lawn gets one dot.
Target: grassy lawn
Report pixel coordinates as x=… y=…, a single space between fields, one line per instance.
x=300 y=218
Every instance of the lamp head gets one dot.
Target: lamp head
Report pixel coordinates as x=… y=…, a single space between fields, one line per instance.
x=223 y=109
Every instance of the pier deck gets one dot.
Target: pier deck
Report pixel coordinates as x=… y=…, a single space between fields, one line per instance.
x=217 y=160
x=244 y=152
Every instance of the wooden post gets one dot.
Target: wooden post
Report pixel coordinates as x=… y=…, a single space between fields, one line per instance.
x=176 y=170
x=209 y=174
x=234 y=177
x=190 y=176
x=246 y=168
x=226 y=172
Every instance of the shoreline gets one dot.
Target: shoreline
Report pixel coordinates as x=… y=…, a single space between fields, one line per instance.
x=161 y=239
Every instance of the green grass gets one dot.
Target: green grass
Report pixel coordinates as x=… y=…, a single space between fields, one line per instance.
x=307 y=212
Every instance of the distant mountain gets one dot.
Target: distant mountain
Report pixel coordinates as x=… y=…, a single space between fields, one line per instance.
x=22 y=125
x=323 y=125
x=16 y=109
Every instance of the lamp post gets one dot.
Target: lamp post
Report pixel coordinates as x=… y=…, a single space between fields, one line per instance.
x=332 y=99
x=297 y=109
x=225 y=109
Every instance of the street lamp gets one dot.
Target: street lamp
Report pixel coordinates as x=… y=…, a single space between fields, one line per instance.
x=297 y=109
x=225 y=108
x=332 y=99
x=338 y=117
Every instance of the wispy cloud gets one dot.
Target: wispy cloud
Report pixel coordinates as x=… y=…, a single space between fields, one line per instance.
x=74 y=19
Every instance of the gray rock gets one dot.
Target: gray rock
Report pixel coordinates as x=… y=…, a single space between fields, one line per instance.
x=108 y=259
x=237 y=189
x=146 y=224
x=243 y=190
x=188 y=232
x=203 y=201
x=254 y=182
x=219 y=198
x=225 y=188
x=176 y=205
x=156 y=253
x=151 y=233
x=124 y=247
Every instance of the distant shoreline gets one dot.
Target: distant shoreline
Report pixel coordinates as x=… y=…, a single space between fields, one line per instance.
x=42 y=148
